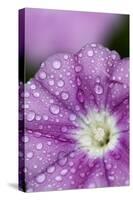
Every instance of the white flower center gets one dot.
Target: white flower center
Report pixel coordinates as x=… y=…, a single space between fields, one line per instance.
x=98 y=134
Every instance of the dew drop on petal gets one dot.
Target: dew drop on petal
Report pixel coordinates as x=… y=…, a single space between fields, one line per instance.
x=80 y=96
x=45 y=117
x=58 y=178
x=51 y=82
x=33 y=86
x=36 y=94
x=26 y=94
x=90 y=53
x=40 y=178
x=98 y=89
x=64 y=129
x=65 y=56
x=51 y=169
x=60 y=83
x=30 y=154
x=25 y=139
x=54 y=109
x=39 y=146
x=62 y=159
x=42 y=75
x=30 y=116
x=78 y=68
x=64 y=95
x=56 y=64
x=72 y=117
x=64 y=172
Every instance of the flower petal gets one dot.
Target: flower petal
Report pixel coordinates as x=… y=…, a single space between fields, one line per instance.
x=58 y=76
x=117 y=166
x=97 y=62
x=39 y=153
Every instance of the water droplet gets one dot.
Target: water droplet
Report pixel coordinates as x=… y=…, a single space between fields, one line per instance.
x=41 y=178
x=62 y=159
x=64 y=172
x=108 y=166
x=92 y=185
x=36 y=94
x=82 y=174
x=51 y=169
x=38 y=117
x=73 y=170
x=113 y=56
x=56 y=64
x=78 y=68
x=30 y=154
x=90 y=53
x=64 y=129
x=72 y=117
x=39 y=146
x=60 y=83
x=30 y=116
x=26 y=94
x=111 y=178
x=80 y=96
x=65 y=56
x=78 y=80
x=54 y=109
x=33 y=86
x=42 y=75
x=98 y=79
x=93 y=45
x=51 y=82
x=58 y=178
x=117 y=156
x=64 y=95
x=45 y=117
x=25 y=139
x=98 y=89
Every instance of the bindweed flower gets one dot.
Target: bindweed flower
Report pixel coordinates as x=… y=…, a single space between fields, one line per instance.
x=77 y=121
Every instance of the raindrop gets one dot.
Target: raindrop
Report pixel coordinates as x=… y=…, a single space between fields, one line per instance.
x=56 y=64
x=51 y=169
x=41 y=178
x=30 y=154
x=51 y=82
x=60 y=83
x=72 y=117
x=78 y=68
x=45 y=117
x=62 y=158
x=30 y=116
x=80 y=96
x=64 y=172
x=36 y=94
x=33 y=87
x=54 y=109
x=25 y=139
x=42 y=75
x=26 y=94
x=65 y=56
x=39 y=146
x=64 y=95
x=98 y=79
x=58 y=178
x=90 y=53
x=64 y=129
x=98 y=89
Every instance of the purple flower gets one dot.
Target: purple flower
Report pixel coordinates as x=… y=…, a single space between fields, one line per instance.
x=76 y=121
